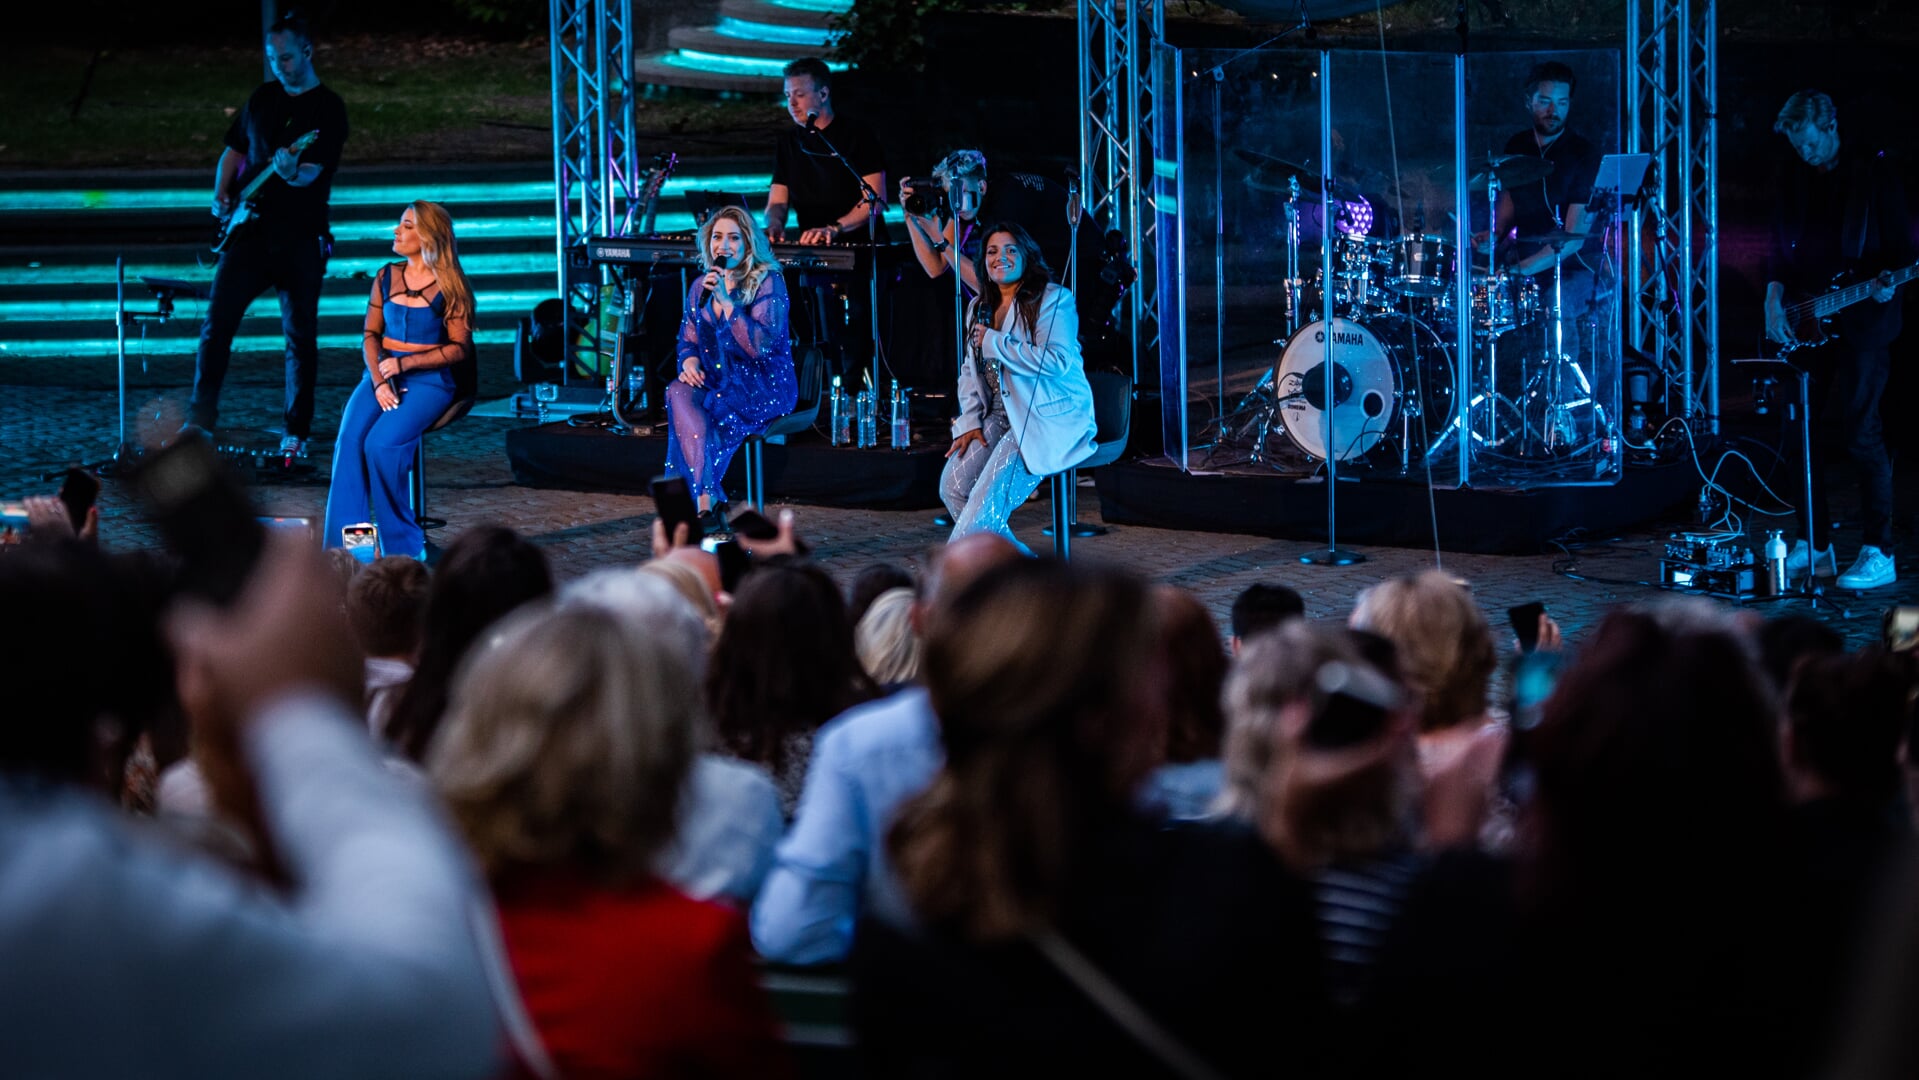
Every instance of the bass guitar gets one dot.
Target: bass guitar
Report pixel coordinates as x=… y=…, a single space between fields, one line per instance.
x=247 y=209
x=1809 y=320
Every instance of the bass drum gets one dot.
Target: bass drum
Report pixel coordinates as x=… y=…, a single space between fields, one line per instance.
x=1392 y=380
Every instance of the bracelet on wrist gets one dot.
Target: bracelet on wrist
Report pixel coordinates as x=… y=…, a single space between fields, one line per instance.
x=940 y=248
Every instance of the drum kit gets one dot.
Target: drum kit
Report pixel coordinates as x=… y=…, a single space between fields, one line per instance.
x=1394 y=337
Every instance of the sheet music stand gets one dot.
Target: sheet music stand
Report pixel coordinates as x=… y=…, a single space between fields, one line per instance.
x=1619 y=183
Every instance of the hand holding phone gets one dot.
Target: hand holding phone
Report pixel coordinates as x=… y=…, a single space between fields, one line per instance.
x=1525 y=622
x=674 y=504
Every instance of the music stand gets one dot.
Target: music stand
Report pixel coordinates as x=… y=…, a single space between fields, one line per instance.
x=165 y=291
x=1809 y=589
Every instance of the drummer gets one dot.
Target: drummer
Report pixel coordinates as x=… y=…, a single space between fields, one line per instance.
x=1555 y=204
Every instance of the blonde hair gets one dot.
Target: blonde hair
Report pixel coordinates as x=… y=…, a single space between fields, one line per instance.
x=1444 y=644
x=759 y=257
x=692 y=586
x=566 y=743
x=888 y=648
x=441 y=251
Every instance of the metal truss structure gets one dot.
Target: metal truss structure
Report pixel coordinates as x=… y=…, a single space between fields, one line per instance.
x=1672 y=253
x=596 y=177
x=1120 y=80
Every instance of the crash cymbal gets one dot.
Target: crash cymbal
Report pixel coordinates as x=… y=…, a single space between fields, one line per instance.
x=1512 y=170
x=1275 y=175
x=1557 y=238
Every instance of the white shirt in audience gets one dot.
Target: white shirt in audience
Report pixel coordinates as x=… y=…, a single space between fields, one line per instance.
x=729 y=821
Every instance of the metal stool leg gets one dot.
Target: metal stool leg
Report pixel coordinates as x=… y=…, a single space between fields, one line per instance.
x=1073 y=522
x=1062 y=528
x=416 y=490
x=756 y=474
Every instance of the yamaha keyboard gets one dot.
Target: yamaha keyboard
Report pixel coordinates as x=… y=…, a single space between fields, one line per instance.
x=675 y=251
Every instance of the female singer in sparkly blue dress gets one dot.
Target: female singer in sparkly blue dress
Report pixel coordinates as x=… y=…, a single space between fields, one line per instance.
x=736 y=358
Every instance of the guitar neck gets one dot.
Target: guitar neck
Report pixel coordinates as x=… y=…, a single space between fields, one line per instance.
x=1832 y=303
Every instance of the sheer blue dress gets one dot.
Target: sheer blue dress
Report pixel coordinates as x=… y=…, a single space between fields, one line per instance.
x=747 y=358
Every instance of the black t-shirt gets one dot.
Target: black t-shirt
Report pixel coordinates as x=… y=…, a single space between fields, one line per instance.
x=273 y=119
x=820 y=189
x=1852 y=217
x=1575 y=168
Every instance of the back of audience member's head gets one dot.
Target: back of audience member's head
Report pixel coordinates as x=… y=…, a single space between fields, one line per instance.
x=383 y=606
x=649 y=603
x=1846 y=717
x=1039 y=672
x=567 y=739
x=952 y=567
x=56 y=627
x=869 y=583
x=345 y=568
x=1195 y=669
x=888 y=646
x=485 y=573
x=1262 y=606
x=1656 y=756
x=784 y=663
x=1444 y=644
x=1316 y=792
x=1788 y=639
x=692 y=586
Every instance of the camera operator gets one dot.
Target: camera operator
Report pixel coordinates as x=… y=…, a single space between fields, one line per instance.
x=958 y=198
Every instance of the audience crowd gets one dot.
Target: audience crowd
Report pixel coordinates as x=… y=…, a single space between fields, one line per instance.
x=1044 y=817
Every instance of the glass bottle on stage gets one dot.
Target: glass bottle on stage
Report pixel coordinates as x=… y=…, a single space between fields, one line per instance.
x=902 y=427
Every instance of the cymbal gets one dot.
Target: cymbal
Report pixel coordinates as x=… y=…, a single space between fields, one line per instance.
x=1273 y=174
x=1512 y=170
x=1557 y=238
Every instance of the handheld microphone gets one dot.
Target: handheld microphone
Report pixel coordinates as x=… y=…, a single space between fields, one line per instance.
x=1072 y=197
x=982 y=316
x=810 y=117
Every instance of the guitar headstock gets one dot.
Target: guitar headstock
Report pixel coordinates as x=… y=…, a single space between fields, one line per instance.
x=299 y=145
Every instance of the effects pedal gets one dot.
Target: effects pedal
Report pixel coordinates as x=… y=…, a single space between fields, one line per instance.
x=1714 y=563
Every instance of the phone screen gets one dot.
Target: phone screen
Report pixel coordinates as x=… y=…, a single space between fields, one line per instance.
x=78 y=491
x=361 y=541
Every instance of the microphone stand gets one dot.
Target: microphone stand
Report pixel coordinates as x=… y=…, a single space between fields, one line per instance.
x=1332 y=554
x=874 y=203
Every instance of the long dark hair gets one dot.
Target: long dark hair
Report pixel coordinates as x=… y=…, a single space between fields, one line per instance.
x=1034 y=671
x=1033 y=278
x=784 y=663
x=485 y=573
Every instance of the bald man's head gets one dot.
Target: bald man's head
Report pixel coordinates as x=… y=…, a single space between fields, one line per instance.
x=958 y=565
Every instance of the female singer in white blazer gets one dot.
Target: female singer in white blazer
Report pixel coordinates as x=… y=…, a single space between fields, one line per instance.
x=1026 y=410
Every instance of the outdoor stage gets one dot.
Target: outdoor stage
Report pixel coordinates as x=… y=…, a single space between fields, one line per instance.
x=1148 y=492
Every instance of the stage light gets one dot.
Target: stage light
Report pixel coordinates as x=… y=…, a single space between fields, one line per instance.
x=186 y=344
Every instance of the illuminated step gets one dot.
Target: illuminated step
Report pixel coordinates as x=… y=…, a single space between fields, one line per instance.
x=348 y=194
x=185 y=345
x=353 y=303
x=339 y=267
x=720 y=64
x=773 y=33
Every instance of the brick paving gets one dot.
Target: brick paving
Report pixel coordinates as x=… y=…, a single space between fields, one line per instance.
x=56 y=413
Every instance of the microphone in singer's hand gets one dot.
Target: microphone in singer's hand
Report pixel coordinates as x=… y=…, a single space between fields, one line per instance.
x=810 y=117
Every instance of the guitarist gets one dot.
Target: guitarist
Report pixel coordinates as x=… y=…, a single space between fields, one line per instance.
x=286 y=248
x=1841 y=210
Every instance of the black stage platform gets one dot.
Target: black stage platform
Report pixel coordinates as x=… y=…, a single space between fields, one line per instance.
x=806 y=470
x=1383 y=512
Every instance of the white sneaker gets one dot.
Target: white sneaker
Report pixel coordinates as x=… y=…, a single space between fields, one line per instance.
x=1825 y=562
x=293 y=446
x=1871 y=570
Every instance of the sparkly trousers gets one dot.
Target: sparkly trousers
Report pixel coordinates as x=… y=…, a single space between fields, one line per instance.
x=983 y=485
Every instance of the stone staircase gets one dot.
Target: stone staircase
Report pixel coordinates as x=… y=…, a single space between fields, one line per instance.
x=743 y=53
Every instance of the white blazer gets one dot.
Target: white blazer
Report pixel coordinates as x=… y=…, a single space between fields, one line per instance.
x=1049 y=404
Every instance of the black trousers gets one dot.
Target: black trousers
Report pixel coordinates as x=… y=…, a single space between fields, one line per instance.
x=252 y=263
x=1850 y=381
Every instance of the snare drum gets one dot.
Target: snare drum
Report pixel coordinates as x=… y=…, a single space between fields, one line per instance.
x=1502 y=302
x=1422 y=265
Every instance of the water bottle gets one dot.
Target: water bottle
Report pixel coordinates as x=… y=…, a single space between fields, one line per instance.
x=1775 y=562
x=836 y=428
x=902 y=426
x=869 y=420
x=636 y=388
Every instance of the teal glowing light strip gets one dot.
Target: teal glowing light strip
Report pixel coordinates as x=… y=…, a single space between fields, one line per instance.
x=829 y=6
x=698 y=60
x=339 y=267
x=455 y=195
x=353 y=303
x=768 y=32
x=186 y=344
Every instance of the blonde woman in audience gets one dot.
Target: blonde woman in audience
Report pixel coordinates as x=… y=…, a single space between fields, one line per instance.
x=1446 y=656
x=886 y=641
x=690 y=584
x=562 y=758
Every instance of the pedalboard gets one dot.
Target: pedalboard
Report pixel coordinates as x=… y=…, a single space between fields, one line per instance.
x=1715 y=563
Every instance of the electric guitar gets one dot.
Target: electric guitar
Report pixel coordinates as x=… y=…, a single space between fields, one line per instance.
x=1809 y=319
x=246 y=209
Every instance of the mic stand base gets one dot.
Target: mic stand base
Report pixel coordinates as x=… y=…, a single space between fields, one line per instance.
x=1332 y=556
